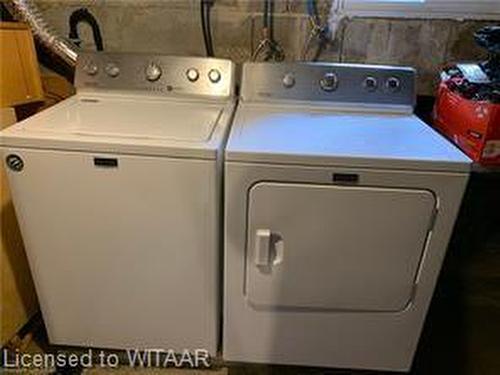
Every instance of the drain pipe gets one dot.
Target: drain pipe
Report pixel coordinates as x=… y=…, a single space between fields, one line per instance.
x=46 y=35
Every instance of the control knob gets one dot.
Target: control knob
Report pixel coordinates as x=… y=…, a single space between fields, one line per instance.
x=289 y=80
x=90 y=68
x=112 y=70
x=329 y=82
x=153 y=72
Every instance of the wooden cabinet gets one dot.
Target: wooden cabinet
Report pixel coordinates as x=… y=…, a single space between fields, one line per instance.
x=19 y=84
x=19 y=71
x=18 y=301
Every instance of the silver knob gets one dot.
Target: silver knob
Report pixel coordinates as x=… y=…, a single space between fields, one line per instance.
x=192 y=74
x=370 y=83
x=214 y=75
x=393 y=84
x=153 y=72
x=90 y=68
x=289 y=80
x=112 y=70
x=329 y=82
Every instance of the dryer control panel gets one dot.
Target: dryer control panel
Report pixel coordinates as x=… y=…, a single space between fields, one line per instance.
x=164 y=75
x=329 y=82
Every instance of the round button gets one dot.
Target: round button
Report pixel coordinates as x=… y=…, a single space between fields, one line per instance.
x=112 y=70
x=370 y=83
x=329 y=82
x=90 y=68
x=192 y=74
x=214 y=75
x=153 y=72
x=289 y=80
x=393 y=84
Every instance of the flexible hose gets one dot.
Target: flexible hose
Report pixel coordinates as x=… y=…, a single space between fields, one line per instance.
x=83 y=15
x=205 y=6
x=209 y=29
x=318 y=31
x=47 y=36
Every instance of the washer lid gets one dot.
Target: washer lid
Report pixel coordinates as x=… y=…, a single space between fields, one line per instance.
x=123 y=124
x=308 y=136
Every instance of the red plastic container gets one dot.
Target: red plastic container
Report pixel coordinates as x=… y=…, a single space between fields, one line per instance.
x=474 y=126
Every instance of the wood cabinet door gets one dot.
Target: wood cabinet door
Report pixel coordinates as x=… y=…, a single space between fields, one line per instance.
x=19 y=71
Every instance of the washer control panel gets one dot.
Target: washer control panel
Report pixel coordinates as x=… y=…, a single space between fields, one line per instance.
x=329 y=82
x=164 y=75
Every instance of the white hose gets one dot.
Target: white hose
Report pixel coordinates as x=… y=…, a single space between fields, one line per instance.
x=49 y=38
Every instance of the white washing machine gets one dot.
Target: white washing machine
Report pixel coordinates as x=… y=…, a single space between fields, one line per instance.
x=339 y=204
x=117 y=192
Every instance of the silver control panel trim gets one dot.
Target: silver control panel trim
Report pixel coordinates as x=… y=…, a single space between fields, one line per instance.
x=156 y=74
x=329 y=83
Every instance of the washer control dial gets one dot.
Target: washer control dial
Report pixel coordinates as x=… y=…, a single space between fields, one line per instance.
x=112 y=70
x=90 y=68
x=370 y=83
x=329 y=82
x=214 y=75
x=393 y=84
x=289 y=80
x=153 y=72
x=192 y=74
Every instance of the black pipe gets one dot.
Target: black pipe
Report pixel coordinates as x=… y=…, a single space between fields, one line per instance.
x=209 y=27
x=83 y=15
x=270 y=22
x=266 y=14
x=205 y=7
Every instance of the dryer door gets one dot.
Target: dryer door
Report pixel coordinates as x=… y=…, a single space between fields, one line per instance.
x=335 y=247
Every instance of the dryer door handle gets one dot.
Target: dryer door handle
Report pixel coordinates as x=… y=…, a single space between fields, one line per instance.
x=262 y=247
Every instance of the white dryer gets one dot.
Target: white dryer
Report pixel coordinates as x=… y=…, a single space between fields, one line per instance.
x=339 y=204
x=117 y=192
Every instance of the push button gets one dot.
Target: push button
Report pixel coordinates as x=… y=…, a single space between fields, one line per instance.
x=393 y=84
x=214 y=75
x=370 y=83
x=192 y=74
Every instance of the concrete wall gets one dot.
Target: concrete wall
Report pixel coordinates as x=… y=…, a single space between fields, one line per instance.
x=173 y=27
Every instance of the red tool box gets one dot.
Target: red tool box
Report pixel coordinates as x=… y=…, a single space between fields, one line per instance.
x=467 y=108
x=474 y=126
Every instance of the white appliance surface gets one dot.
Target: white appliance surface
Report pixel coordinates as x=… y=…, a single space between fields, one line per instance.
x=318 y=135
x=117 y=193
x=337 y=217
x=127 y=123
x=124 y=117
x=123 y=257
x=321 y=278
